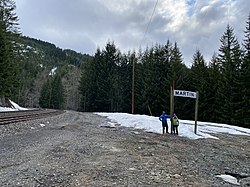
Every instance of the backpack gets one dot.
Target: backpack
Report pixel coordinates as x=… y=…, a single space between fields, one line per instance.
x=175 y=121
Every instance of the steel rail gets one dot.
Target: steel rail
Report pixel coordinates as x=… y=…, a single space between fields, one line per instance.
x=26 y=115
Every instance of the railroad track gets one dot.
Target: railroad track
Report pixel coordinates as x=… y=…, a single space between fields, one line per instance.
x=26 y=115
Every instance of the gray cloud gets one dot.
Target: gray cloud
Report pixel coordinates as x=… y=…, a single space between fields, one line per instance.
x=83 y=25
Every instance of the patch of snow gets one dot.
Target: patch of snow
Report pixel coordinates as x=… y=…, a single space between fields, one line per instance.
x=17 y=106
x=186 y=127
x=6 y=109
x=230 y=179
x=53 y=71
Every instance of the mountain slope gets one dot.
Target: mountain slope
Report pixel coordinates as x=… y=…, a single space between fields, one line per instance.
x=37 y=58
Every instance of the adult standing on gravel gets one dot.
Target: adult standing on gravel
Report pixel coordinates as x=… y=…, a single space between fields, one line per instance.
x=175 y=124
x=163 y=119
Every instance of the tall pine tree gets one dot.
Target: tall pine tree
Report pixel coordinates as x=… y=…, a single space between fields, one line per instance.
x=244 y=111
x=57 y=94
x=8 y=65
x=88 y=83
x=99 y=85
x=199 y=82
x=45 y=95
x=230 y=60
x=178 y=78
x=213 y=105
x=125 y=79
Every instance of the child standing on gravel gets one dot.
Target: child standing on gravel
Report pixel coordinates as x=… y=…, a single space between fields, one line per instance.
x=175 y=124
x=163 y=119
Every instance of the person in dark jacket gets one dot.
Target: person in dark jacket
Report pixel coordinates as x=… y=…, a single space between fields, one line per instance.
x=163 y=119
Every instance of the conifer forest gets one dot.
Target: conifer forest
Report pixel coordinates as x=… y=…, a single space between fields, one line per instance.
x=103 y=82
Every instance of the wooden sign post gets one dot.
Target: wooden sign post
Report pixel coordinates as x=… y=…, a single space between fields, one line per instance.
x=171 y=108
x=194 y=95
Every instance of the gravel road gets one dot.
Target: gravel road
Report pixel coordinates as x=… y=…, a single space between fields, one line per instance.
x=78 y=149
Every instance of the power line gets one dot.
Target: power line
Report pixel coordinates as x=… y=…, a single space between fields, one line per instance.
x=228 y=10
x=149 y=22
x=133 y=70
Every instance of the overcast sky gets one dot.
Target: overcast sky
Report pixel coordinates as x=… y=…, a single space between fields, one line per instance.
x=84 y=25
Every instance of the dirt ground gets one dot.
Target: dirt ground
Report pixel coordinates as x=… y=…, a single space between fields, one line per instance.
x=78 y=149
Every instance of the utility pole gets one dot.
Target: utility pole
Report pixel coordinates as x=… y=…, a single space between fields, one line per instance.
x=171 y=107
x=196 y=112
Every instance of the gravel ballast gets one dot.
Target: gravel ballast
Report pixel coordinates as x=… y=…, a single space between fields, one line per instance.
x=79 y=149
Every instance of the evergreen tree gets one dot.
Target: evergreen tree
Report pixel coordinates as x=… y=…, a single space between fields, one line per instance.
x=138 y=83
x=45 y=96
x=144 y=80
x=243 y=113
x=88 y=84
x=125 y=81
x=177 y=67
x=199 y=76
x=178 y=78
x=212 y=104
x=52 y=93
x=57 y=93
x=103 y=87
x=8 y=65
x=107 y=79
x=99 y=82
x=147 y=88
x=111 y=61
x=155 y=83
x=230 y=60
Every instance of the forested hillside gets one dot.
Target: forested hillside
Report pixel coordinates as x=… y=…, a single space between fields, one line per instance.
x=35 y=73
x=39 y=86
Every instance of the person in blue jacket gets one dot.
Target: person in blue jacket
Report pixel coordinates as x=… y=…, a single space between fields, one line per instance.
x=163 y=119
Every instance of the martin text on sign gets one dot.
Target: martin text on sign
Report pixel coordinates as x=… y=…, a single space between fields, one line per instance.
x=183 y=93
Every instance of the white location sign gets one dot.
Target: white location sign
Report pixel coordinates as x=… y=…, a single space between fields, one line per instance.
x=183 y=93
